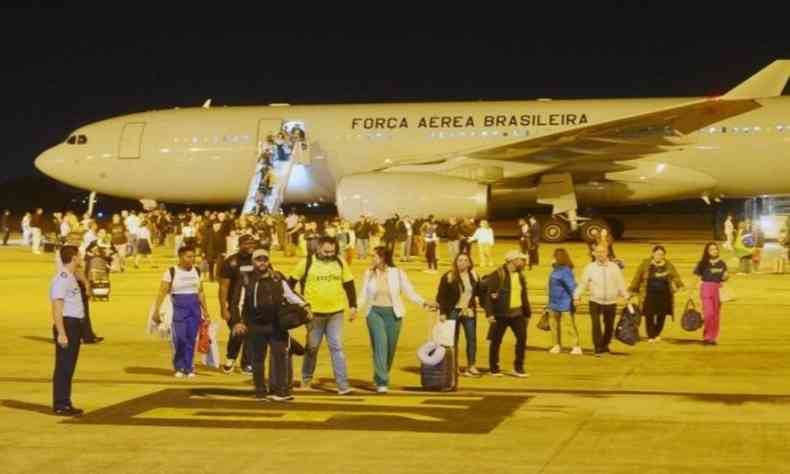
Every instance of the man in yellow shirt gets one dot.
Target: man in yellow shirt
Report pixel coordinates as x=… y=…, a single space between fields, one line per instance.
x=507 y=306
x=328 y=286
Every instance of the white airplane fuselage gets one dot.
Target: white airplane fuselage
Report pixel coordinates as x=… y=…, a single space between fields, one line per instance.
x=207 y=155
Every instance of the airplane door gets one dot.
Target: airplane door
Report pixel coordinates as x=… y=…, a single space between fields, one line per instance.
x=131 y=141
x=267 y=127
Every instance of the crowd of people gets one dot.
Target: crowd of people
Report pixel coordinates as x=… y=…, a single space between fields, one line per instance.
x=236 y=250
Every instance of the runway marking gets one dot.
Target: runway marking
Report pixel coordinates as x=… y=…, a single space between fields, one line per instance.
x=236 y=409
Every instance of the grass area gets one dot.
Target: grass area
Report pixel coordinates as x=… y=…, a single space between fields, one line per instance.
x=672 y=407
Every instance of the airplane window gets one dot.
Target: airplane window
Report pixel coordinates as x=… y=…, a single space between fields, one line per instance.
x=72 y=140
x=82 y=139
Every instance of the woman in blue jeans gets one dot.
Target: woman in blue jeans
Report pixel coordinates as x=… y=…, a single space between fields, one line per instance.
x=383 y=285
x=457 y=299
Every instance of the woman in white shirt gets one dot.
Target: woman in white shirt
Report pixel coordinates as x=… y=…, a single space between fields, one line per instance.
x=143 y=244
x=484 y=236
x=183 y=284
x=383 y=285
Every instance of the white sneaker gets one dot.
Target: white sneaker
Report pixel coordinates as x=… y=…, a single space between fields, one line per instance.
x=651 y=341
x=347 y=391
x=521 y=375
x=577 y=351
x=657 y=339
x=382 y=389
x=179 y=374
x=473 y=372
x=555 y=350
x=191 y=375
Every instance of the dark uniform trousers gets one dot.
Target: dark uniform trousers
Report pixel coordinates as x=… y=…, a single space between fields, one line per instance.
x=259 y=339
x=66 y=362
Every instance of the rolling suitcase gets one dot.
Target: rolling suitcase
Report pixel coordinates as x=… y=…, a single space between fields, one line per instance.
x=440 y=377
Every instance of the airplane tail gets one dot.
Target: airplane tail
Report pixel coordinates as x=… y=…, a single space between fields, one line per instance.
x=769 y=82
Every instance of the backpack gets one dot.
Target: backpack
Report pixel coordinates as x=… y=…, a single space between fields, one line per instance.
x=309 y=264
x=486 y=285
x=627 y=330
x=172 y=271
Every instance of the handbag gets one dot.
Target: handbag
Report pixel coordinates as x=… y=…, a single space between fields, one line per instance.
x=627 y=330
x=444 y=333
x=291 y=316
x=543 y=322
x=692 y=319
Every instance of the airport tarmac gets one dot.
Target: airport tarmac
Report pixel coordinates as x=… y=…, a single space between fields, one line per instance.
x=676 y=406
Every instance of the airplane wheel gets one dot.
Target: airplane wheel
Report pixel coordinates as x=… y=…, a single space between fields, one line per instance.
x=593 y=227
x=555 y=231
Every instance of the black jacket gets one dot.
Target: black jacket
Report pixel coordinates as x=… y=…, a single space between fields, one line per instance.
x=259 y=297
x=497 y=294
x=450 y=292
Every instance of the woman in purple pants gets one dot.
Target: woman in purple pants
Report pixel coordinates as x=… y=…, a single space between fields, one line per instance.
x=712 y=272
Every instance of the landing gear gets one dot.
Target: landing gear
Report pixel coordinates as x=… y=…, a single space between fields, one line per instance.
x=592 y=228
x=557 y=191
x=556 y=230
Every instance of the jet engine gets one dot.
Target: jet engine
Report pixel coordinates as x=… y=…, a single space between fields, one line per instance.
x=417 y=195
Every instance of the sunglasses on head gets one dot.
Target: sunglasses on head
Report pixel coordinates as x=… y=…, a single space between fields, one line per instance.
x=262 y=259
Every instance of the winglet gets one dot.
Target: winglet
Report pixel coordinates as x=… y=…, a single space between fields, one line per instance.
x=769 y=82
x=207 y=104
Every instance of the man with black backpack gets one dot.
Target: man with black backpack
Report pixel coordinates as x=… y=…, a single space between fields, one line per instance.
x=507 y=306
x=328 y=285
x=262 y=293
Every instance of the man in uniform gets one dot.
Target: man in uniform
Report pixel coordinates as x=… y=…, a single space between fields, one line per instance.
x=67 y=312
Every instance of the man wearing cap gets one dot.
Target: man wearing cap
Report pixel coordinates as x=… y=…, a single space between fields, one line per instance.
x=67 y=313
x=232 y=270
x=262 y=291
x=507 y=306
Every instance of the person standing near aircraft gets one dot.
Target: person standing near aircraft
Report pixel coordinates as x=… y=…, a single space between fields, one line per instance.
x=5 y=226
x=729 y=232
x=507 y=306
x=383 y=285
x=67 y=312
x=712 y=273
x=328 y=286
x=604 y=280
x=232 y=270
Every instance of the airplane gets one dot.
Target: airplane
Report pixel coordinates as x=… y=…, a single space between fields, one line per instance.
x=463 y=159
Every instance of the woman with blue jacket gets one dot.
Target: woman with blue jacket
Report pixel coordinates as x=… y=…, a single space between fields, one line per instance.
x=561 y=286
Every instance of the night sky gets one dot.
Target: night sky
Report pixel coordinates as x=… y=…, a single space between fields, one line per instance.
x=58 y=78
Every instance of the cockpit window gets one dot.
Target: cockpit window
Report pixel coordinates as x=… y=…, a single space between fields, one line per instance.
x=82 y=139
x=72 y=140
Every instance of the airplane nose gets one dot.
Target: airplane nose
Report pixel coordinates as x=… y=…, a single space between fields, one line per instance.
x=49 y=163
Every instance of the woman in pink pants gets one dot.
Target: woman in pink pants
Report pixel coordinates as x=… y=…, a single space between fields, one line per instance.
x=712 y=272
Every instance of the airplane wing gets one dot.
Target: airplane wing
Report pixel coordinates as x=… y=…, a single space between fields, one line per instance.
x=631 y=136
x=650 y=132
